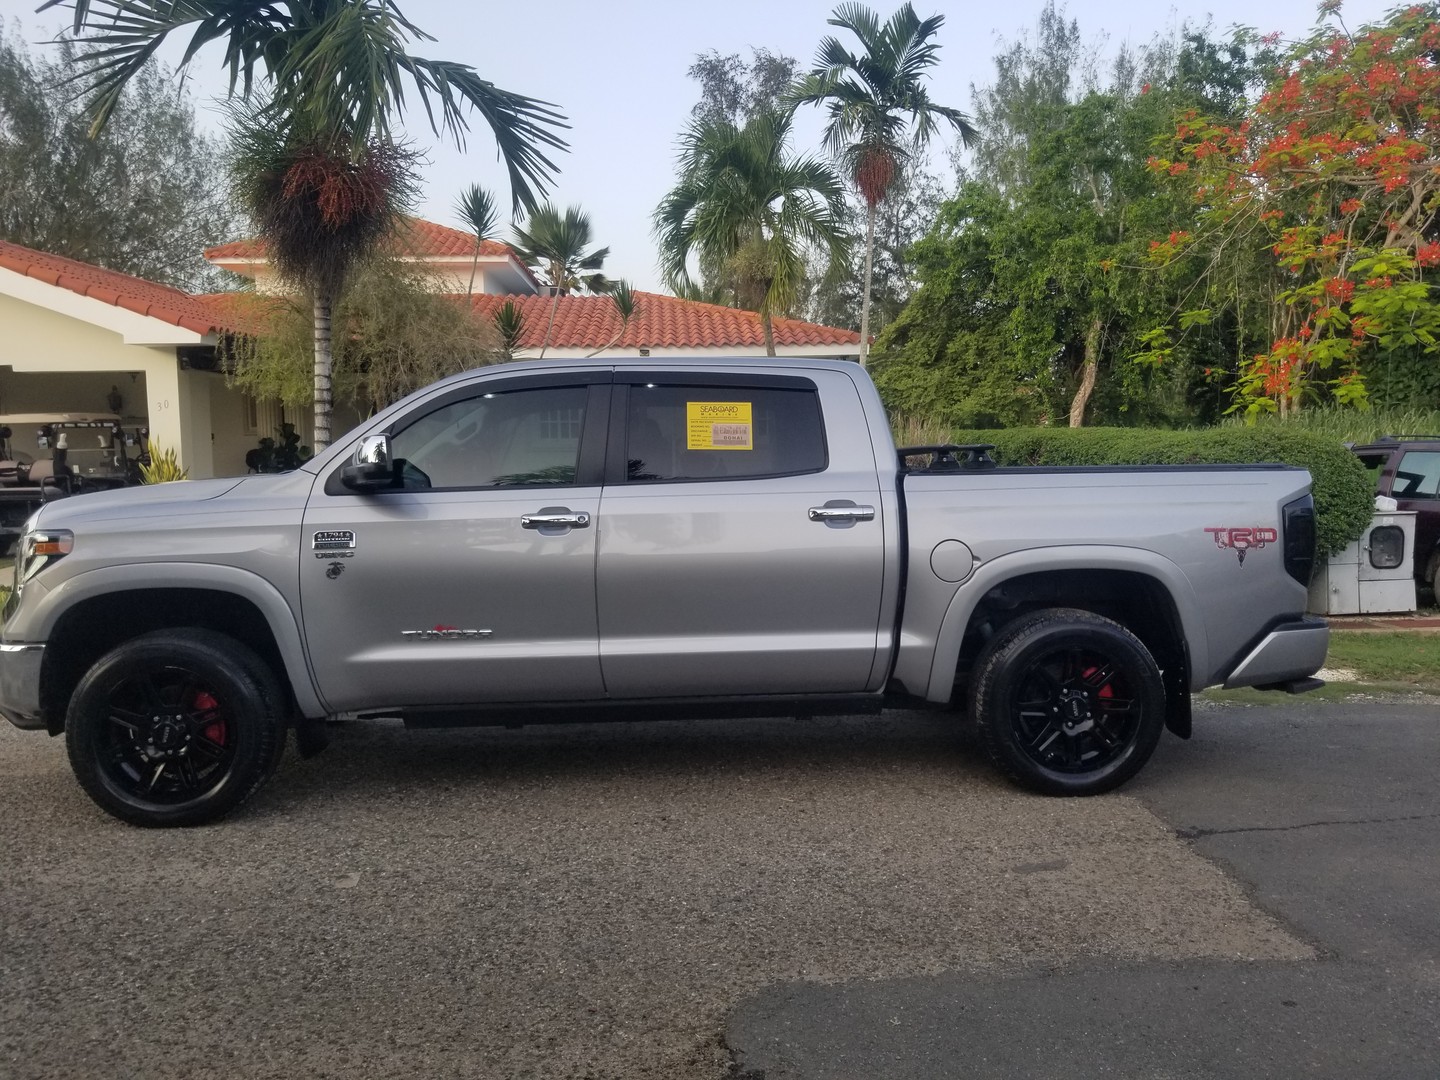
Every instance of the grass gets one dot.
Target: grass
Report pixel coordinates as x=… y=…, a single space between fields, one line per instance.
x=1385 y=656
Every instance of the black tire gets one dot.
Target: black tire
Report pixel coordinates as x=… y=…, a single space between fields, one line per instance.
x=199 y=708
x=1068 y=702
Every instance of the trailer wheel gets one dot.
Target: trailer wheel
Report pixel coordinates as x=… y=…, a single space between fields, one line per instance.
x=176 y=727
x=1068 y=702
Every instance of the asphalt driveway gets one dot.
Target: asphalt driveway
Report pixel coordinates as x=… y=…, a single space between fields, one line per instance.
x=1329 y=815
x=631 y=901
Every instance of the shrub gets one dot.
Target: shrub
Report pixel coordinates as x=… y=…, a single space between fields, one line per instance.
x=163 y=466
x=1344 y=494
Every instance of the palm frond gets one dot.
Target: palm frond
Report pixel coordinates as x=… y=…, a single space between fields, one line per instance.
x=344 y=65
x=476 y=208
x=558 y=246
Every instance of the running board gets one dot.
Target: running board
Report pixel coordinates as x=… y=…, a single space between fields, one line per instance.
x=587 y=712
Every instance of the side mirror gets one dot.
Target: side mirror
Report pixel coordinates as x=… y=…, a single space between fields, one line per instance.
x=372 y=468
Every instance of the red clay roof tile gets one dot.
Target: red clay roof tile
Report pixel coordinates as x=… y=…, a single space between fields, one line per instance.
x=659 y=322
x=111 y=287
x=417 y=238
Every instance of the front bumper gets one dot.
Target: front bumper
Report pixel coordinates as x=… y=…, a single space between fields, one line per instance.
x=20 y=684
x=1291 y=651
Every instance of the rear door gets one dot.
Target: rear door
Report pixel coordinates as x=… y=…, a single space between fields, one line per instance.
x=741 y=548
x=476 y=582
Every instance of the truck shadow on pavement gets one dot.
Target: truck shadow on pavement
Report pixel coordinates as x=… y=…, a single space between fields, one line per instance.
x=363 y=754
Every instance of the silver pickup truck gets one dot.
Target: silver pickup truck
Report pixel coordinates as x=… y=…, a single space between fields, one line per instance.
x=616 y=539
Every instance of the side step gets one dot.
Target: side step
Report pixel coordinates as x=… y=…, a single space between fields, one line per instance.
x=586 y=712
x=1294 y=686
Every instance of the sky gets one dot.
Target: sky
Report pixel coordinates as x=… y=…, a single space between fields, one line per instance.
x=618 y=72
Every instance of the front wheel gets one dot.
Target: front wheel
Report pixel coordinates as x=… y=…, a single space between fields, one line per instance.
x=175 y=728
x=1068 y=702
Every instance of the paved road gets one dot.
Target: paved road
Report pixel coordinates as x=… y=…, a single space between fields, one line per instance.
x=1329 y=815
x=566 y=902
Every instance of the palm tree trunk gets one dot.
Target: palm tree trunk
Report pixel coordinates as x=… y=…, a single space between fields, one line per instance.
x=769 y=332
x=869 y=266
x=474 y=265
x=1087 y=378
x=554 y=303
x=323 y=401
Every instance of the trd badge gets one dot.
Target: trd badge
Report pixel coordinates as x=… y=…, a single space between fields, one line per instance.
x=1241 y=540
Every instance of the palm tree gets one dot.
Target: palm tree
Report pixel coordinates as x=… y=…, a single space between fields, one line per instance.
x=333 y=76
x=509 y=323
x=622 y=296
x=555 y=246
x=476 y=207
x=320 y=212
x=872 y=99
x=743 y=203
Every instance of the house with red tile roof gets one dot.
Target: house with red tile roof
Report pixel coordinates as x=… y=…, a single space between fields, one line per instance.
x=77 y=337
x=583 y=324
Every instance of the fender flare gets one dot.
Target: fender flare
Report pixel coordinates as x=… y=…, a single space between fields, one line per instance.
x=1079 y=557
x=172 y=575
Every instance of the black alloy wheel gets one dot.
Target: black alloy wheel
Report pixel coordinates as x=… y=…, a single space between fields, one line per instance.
x=175 y=728
x=168 y=736
x=1068 y=702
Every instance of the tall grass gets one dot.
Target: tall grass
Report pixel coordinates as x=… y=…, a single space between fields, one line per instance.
x=912 y=430
x=1352 y=425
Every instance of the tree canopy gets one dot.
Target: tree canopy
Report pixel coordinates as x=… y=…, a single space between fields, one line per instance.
x=146 y=197
x=394 y=334
x=1032 y=297
x=1324 y=201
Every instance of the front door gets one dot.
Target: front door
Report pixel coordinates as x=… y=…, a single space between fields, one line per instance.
x=739 y=553
x=1417 y=487
x=475 y=581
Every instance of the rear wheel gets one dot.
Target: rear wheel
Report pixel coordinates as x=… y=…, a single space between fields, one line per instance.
x=175 y=728
x=1068 y=702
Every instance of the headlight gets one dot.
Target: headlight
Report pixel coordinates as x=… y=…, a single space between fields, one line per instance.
x=39 y=549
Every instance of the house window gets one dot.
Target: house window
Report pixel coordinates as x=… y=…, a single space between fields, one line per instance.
x=562 y=424
x=252 y=415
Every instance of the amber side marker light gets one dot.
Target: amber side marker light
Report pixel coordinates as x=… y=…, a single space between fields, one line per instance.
x=52 y=544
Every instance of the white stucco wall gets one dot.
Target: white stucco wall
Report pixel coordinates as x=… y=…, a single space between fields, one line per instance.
x=64 y=356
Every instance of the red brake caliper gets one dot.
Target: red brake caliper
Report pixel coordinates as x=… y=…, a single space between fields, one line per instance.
x=215 y=729
x=1106 y=691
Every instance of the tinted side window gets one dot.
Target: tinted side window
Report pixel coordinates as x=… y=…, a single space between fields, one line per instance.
x=520 y=438
x=722 y=433
x=1418 y=475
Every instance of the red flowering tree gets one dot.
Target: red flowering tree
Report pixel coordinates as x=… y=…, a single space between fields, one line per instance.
x=1319 y=214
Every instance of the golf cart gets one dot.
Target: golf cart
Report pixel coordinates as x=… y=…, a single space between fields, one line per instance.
x=75 y=453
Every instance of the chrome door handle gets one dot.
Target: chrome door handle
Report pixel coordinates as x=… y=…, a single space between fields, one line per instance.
x=842 y=513
x=574 y=519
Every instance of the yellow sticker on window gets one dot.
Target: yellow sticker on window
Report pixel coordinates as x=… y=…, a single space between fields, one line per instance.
x=718 y=425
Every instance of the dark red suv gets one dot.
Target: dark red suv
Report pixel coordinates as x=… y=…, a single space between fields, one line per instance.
x=1407 y=468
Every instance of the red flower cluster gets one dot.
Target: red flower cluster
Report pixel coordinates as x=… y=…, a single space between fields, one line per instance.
x=1340 y=289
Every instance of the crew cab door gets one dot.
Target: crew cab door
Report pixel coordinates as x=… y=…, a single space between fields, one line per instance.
x=475 y=582
x=741 y=548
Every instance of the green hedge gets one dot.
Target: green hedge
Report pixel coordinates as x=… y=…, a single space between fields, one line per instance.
x=1344 y=494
